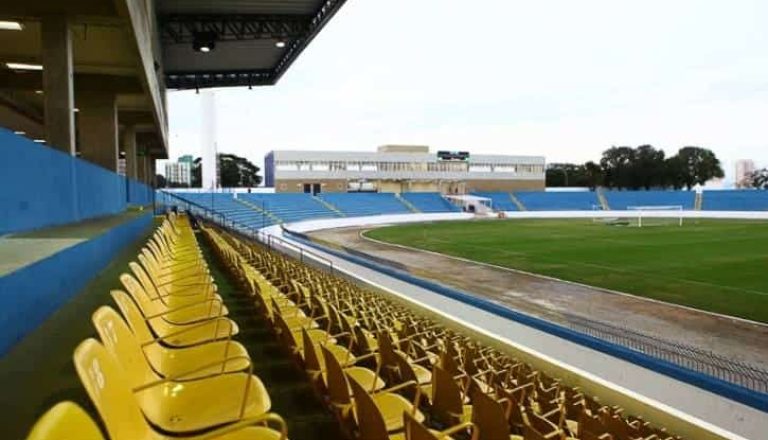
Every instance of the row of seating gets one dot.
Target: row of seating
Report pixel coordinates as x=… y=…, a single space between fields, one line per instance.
x=429 y=202
x=362 y=204
x=225 y=204
x=166 y=365
x=291 y=207
x=386 y=372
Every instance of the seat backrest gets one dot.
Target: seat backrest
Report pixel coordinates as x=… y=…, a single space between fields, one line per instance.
x=415 y=430
x=133 y=315
x=65 y=421
x=447 y=402
x=110 y=392
x=370 y=422
x=488 y=415
x=144 y=279
x=311 y=361
x=338 y=386
x=137 y=292
x=120 y=342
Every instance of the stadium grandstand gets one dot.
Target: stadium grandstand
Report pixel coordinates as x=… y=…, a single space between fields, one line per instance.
x=129 y=312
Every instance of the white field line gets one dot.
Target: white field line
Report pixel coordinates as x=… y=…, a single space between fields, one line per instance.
x=574 y=283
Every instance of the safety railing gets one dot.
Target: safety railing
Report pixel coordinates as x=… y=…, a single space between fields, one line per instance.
x=684 y=355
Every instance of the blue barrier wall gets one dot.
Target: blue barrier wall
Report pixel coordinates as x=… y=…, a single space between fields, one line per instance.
x=41 y=186
x=734 y=392
x=31 y=294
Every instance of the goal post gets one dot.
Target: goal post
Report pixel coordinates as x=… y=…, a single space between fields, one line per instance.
x=653 y=215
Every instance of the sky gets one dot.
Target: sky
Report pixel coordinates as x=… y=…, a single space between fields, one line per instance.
x=560 y=78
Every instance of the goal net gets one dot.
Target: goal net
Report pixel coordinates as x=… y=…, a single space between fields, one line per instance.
x=642 y=216
x=655 y=215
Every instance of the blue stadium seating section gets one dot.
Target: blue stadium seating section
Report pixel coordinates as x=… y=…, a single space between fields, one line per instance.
x=290 y=207
x=361 y=204
x=226 y=205
x=429 y=202
x=558 y=201
x=41 y=187
x=620 y=200
x=501 y=200
x=735 y=200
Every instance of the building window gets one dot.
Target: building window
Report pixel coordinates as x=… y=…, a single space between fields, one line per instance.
x=480 y=168
x=505 y=168
x=320 y=166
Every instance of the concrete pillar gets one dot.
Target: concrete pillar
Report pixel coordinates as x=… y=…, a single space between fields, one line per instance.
x=97 y=127
x=141 y=168
x=129 y=147
x=56 y=53
x=151 y=171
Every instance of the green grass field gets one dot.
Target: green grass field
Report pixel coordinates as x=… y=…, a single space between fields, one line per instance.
x=715 y=265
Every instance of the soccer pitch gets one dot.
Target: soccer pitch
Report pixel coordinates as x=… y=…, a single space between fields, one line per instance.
x=715 y=265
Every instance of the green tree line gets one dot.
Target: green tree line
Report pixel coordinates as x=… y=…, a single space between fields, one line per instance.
x=644 y=167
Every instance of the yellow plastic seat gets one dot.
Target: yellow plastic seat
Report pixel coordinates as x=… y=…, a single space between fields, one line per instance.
x=380 y=415
x=110 y=392
x=188 y=313
x=149 y=330
x=316 y=366
x=490 y=418
x=173 y=295
x=448 y=399
x=65 y=421
x=191 y=362
x=414 y=430
x=173 y=403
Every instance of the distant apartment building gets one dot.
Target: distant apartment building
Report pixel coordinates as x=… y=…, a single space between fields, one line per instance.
x=401 y=168
x=743 y=173
x=179 y=173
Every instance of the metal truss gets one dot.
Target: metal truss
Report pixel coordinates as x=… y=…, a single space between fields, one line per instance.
x=316 y=24
x=180 y=29
x=203 y=80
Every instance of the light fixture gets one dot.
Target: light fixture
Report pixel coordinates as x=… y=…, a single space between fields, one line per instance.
x=75 y=109
x=39 y=92
x=24 y=66
x=39 y=141
x=204 y=41
x=20 y=132
x=280 y=43
x=10 y=26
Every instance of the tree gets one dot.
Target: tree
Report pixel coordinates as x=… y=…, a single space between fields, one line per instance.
x=617 y=164
x=759 y=179
x=594 y=175
x=697 y=166
x=197 y=173
x=161 y=181
x=237 y=172
x=648 y=168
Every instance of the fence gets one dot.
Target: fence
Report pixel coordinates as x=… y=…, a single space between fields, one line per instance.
x=683 y=355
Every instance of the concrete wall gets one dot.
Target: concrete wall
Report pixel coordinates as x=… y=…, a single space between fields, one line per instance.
x=41 y=187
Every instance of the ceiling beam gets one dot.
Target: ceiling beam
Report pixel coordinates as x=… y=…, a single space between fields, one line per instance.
x=31 y=80
x=206 y=79
x=181 y=29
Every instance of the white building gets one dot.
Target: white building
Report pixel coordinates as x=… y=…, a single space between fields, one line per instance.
x=401 y=168
x=178 y=173
x=743 y=172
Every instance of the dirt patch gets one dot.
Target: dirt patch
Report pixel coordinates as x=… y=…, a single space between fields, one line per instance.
x=550 y=299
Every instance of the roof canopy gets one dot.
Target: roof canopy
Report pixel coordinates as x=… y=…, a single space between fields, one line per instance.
x=251 y=42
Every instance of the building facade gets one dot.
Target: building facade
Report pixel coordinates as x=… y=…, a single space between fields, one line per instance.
x=742 y=177
x=178 y=173
x=401 y=168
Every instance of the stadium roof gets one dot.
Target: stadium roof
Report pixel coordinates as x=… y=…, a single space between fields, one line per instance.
x=249 y=42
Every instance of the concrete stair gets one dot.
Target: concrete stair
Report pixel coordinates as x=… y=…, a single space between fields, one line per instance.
x=329 y=206
x=517 y=202
x=407 y=204
x=256 y=207
x=601 y=198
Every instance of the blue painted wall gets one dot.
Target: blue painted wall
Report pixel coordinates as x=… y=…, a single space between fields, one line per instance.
x=31 y=294
x=41 y=187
